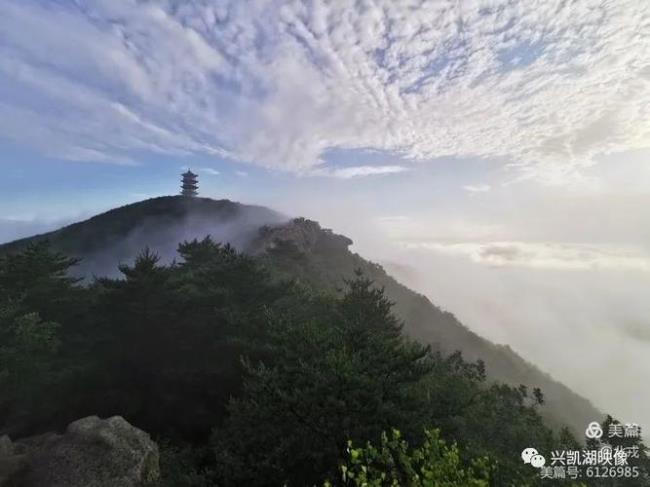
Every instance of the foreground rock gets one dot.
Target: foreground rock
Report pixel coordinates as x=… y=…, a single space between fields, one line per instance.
x=92 y=452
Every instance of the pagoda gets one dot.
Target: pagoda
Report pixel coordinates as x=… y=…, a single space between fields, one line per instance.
x=190 y=184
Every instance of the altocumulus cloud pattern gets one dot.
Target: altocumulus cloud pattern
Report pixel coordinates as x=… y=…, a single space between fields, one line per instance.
x=544 y=86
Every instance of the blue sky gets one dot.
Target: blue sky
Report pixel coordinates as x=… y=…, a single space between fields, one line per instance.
x=495 y=147
x=106 y=100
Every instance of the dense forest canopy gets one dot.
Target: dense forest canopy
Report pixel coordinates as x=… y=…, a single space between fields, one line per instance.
x=248 y=377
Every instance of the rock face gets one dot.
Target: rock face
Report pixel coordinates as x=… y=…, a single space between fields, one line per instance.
x=92 y=452
x=306 y=235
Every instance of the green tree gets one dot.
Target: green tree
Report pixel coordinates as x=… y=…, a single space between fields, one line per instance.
x=39 y=278
x=36 y=297
x=345 y=373
x=172 y=335
x=28 y=347
x=393 y=463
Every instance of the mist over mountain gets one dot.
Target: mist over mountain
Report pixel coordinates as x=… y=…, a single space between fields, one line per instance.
x=118 y=235
x=303 y=250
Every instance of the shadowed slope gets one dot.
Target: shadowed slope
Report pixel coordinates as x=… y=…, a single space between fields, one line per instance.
x=117 y=236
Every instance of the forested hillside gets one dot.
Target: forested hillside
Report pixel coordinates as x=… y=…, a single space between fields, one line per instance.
x=284 y=365
x=299 y=249
x=302 y=249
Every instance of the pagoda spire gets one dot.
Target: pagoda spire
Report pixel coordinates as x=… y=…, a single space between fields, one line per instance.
x=190 y=184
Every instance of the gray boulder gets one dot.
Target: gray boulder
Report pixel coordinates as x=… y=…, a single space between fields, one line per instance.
x=6 y=446
x=11 y=463
x=92 y=452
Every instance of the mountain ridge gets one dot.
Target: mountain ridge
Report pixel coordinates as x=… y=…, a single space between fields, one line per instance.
x=304 y=250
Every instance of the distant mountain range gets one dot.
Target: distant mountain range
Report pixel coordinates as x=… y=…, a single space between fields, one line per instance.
x=303 y=250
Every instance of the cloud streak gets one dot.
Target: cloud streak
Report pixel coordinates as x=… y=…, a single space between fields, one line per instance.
x=358 y=171
x=546 y=85
x=477 y=188
x=209 y=170
x=544 y=255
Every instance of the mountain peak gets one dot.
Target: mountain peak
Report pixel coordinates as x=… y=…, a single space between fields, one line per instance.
x=117 y=235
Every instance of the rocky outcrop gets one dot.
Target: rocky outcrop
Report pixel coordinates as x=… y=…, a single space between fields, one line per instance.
x=92 y=452
x=307 y=236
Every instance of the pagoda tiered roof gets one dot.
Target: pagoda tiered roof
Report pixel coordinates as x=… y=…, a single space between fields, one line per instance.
x=190 y=184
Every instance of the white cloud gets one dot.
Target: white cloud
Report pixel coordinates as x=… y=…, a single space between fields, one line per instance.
x=358 y=171
x=209 y=170
x=477 y=188
x=555 y=317
x=545 y=84
x=544 y=255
